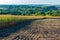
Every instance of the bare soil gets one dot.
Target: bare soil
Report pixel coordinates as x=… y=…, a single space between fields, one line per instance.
x=43 y=29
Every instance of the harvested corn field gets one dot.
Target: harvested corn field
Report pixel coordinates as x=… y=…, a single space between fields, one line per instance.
x=42 y=29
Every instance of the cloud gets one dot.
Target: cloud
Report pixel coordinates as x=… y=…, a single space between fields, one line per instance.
x=30 y=2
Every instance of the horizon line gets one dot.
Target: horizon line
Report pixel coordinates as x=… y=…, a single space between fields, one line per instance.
x=29 y=4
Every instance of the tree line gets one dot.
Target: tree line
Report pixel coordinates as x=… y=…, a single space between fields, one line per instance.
x=32 y=10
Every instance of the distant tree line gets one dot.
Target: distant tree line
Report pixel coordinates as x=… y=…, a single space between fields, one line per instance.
x=37 y=11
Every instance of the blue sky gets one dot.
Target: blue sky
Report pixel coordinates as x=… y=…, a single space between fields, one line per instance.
x=52 y=2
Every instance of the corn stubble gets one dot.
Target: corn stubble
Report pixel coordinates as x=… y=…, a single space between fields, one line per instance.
x=45 y=29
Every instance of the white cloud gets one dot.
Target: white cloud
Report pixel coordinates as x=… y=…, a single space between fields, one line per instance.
x=30 y=2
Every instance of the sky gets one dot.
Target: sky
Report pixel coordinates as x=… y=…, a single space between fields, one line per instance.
x=52 y=2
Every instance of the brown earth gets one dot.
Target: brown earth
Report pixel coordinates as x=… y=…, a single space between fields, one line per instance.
x=43 y=29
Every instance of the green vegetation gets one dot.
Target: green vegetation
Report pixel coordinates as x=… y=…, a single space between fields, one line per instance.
x=6 y=20
x=28 y=10
x=11 y=14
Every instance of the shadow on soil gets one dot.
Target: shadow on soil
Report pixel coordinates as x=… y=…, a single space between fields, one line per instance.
x=11 y=29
